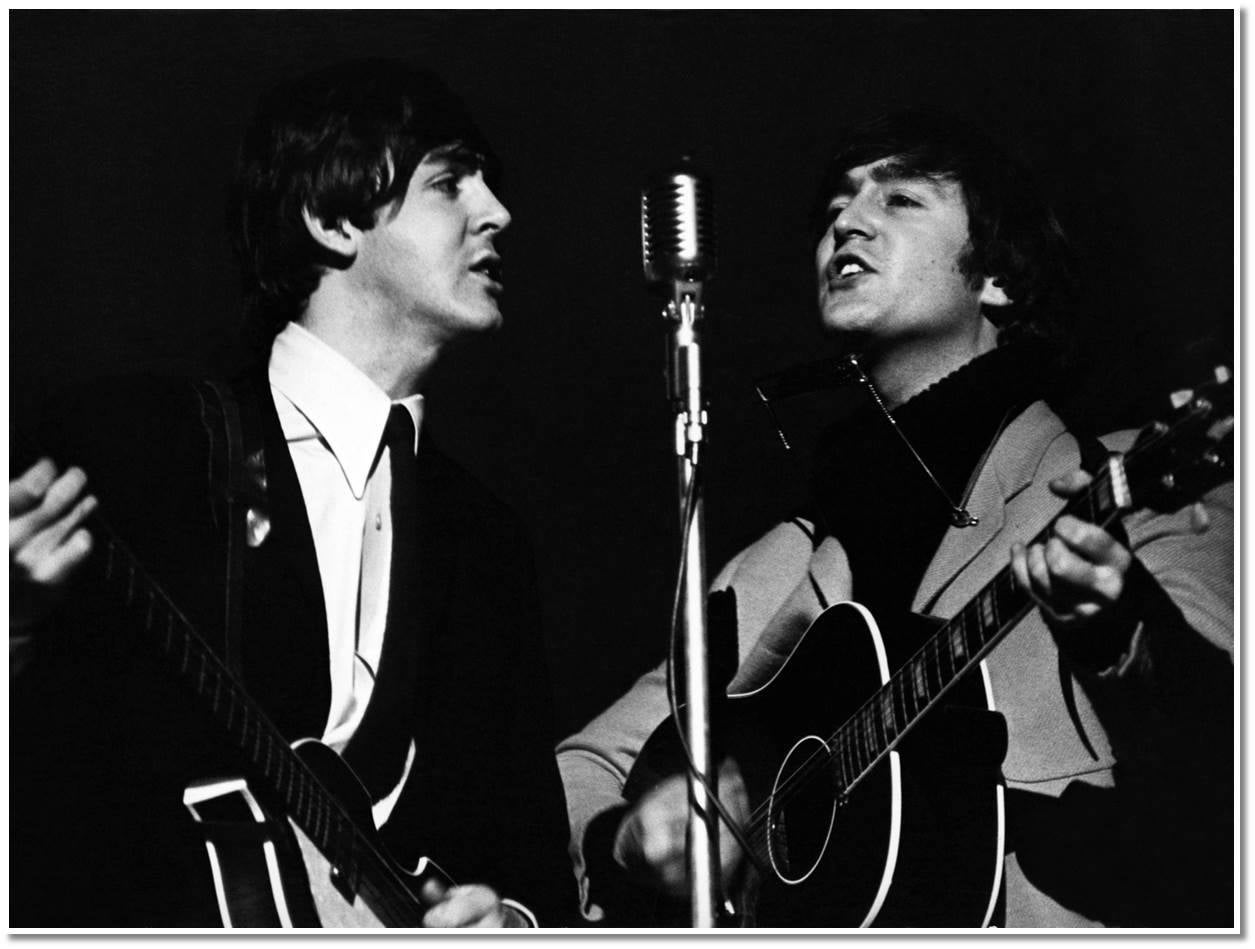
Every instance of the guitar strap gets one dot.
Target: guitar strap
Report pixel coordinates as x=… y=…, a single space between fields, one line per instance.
x=237 y=493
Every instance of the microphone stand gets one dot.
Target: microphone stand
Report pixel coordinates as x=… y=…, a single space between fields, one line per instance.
x=684 y=383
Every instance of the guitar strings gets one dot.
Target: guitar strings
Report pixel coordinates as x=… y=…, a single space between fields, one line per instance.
x=840 y=738
x=816 y=762
x=303 y=785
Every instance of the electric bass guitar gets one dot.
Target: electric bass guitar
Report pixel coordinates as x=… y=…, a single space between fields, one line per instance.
x=320 y=861
x=872 y=761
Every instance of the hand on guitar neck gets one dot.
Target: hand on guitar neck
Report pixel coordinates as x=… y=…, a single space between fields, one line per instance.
x=49 y=544
x=1080 y=578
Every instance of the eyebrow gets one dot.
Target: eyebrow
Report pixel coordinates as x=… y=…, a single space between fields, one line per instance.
x=456 y=153
x=892 y=171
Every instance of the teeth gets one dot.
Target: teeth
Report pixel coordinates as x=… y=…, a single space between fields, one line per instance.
x=852 y=268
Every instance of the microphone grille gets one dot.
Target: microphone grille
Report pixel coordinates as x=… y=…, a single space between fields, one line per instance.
x=677 y=225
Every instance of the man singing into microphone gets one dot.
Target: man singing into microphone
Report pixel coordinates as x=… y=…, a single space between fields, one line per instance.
x=939 y=267
x=384 y=602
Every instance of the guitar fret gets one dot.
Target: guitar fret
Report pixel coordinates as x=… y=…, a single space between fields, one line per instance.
x=904 y=693
x=985 y=610
x=302 y=800
x=932 y=664
x=921 y=687
x=972 y=623
x=958 y=647
x=874 y=738
x=317 y=822
x=293 y=800
x=945 y=661
x=340 y=837
x=887 y=714
x=279 y=779
x=958 y=632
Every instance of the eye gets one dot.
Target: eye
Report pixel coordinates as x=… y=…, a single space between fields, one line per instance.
x=448 y=185
x=900 y=199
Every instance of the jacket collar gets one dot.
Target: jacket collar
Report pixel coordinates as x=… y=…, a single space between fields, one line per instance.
x=1010 y=468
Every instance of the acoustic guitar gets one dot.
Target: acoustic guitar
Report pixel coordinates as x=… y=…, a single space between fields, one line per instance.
x=872 y=760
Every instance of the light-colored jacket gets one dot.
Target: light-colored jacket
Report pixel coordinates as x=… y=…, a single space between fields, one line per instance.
x=779 y=580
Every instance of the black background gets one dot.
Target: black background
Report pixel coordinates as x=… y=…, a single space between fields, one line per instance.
x=123 y=128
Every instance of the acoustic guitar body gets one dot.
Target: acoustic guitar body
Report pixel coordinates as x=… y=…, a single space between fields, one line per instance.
x=918 y=840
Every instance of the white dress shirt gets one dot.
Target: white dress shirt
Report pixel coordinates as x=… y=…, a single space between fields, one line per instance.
x=333 y=417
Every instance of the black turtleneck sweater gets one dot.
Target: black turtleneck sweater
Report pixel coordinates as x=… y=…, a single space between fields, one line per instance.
x=871 y=494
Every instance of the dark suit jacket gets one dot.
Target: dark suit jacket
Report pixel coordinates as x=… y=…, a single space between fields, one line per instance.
x=102 y=742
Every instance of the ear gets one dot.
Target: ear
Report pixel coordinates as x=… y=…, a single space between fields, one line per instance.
x=992 y=294
x=340 y=236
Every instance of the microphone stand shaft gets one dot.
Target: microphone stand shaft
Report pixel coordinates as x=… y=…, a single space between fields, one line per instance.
x=703 y=854
x=703 y=827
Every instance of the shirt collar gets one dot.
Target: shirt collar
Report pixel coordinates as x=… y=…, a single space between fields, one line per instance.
x=347 y=410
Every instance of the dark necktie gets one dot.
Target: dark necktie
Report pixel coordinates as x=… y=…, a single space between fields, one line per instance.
x=379 y=746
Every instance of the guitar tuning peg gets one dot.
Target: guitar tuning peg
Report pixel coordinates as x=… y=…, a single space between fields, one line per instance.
x=1222 y=374
x=1181 y=397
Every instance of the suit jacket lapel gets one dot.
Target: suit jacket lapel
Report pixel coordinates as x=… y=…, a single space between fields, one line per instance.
x=286 y=658
x=1007 y=471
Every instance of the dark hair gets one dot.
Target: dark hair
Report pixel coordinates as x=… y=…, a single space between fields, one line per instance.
x=1013 y=233
x=344 y=142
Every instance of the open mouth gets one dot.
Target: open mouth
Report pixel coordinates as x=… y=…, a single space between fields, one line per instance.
x=845 y=268
x=489 y=267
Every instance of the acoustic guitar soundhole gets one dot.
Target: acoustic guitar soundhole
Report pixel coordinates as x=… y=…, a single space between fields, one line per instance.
x=802 y=811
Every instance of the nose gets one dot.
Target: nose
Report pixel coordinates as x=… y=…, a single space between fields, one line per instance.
x=491 y=214
x=856 y=218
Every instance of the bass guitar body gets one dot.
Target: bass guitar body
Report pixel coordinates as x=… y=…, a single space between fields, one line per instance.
x=267 y=871
x=916 y=841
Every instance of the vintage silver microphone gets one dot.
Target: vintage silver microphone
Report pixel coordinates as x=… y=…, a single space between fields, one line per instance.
x=678 y=254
